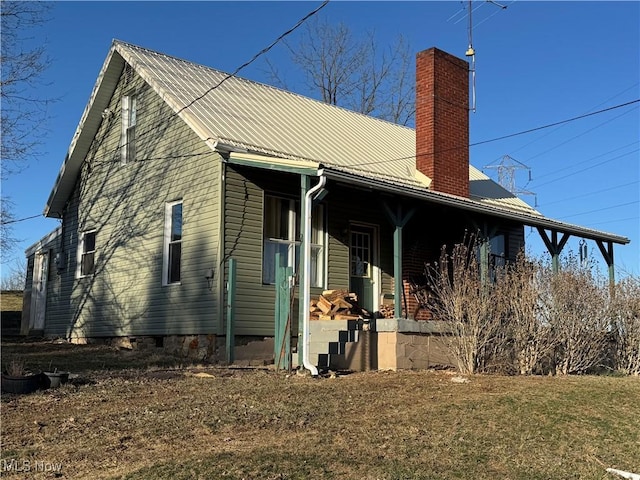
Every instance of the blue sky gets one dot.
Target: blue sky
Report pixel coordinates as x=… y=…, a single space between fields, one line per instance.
x=537 y=63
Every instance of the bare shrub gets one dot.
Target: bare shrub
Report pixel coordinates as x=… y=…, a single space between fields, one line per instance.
x=461 y=299
x=625 y=316
x=574 y=303
x=16 y=367
x=517 y=295
x=530 y=319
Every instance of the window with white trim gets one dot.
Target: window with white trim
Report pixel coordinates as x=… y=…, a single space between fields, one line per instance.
x=172 y=255
x=282 y=235
x=128 y=142
x=87 y=254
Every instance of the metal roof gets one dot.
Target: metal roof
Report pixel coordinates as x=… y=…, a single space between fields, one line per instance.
x=236 y=114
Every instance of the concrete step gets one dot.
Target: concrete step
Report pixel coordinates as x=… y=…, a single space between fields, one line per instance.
x=329 y=338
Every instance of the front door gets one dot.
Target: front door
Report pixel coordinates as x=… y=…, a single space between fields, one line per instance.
x=39 y=291
x=362 y=265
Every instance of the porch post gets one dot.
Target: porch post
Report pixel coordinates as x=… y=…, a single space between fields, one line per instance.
x=305 y=183
x=399 y=221
x=397 y=271
x=484 y=260
x=607 y=253
x=554 y=246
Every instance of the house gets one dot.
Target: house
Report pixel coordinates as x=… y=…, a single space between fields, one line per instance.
x=182 y=183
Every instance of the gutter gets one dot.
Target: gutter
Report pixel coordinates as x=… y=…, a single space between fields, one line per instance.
x=472 y=206
x=306 y=278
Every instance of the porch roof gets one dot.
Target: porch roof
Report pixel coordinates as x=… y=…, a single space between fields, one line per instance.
x=343 y=175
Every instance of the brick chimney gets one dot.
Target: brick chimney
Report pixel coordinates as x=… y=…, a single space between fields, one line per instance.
x=442 y=120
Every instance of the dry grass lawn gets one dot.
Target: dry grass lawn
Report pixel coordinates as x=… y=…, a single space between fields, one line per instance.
x=11 y=301
x=136 y=416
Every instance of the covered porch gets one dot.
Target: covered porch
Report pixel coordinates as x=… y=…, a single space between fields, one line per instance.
x=380 y=235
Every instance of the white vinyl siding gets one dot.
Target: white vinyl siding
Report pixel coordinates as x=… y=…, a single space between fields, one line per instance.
x=126 y=204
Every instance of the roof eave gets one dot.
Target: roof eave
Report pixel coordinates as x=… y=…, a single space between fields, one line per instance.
x=476 y=207
x=87 y=127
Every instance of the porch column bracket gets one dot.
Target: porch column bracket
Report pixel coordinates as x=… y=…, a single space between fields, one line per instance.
x=607 y=253
x=399 y=220
x=554 y=246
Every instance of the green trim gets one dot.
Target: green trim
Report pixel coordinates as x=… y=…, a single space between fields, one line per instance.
x=607 y=253
x=554 y=247
x=399 y=220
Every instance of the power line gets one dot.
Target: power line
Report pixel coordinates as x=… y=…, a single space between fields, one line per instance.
x=376 y=162
x=235 y=72
x=588 y=168
x=615 y=221
x=602 y=209
x=595 y=192
x=257 y=55
x=7 y=222
x=595 y=106
x=502 y=7
x=538 y=177
x=580 y=134
x=579 y=117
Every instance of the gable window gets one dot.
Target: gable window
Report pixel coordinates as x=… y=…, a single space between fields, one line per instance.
x=282 y=235
x=87 y=254
x=172 y=255
x=128 y=143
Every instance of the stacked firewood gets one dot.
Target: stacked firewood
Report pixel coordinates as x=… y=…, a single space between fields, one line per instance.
x=337 y=305
x=387 y=310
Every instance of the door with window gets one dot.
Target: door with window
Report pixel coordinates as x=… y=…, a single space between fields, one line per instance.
x=39 y=291
x=362 y=264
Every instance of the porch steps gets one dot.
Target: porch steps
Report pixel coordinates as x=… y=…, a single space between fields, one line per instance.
x=329 y=341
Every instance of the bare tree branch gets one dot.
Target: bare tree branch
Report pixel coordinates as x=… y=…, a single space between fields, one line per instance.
x=354 y=73
x=16 y=277
x=24 y=110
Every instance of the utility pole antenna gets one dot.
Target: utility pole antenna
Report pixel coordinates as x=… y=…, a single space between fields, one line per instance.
x=471 y=52
x=507 y=169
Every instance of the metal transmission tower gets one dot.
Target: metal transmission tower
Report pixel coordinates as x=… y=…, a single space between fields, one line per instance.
x=507 y=175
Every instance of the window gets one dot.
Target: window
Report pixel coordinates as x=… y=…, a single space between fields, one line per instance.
x=172 y=243
x=361 y=254
x=497 y=251
x=282 y=235
x=87 y=254
x=128 y=143
x=497 y=257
